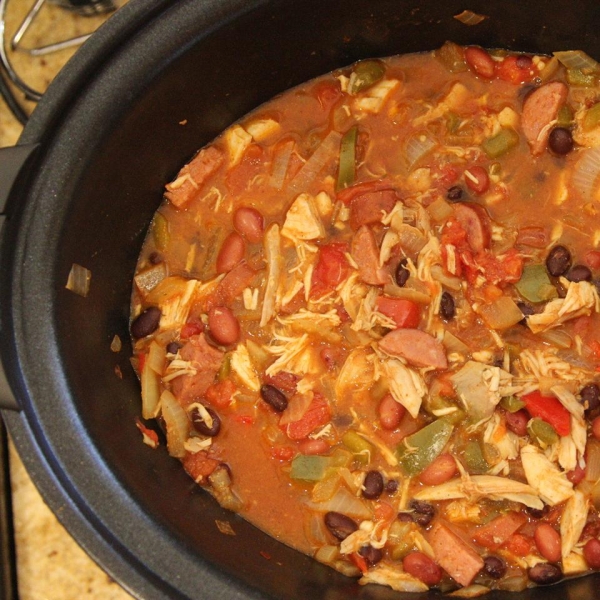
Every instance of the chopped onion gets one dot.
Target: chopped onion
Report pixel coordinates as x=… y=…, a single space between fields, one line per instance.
x=587 y=169
x=416 y=148
x=156 y=357
x=472 y=591
x=221 y=489
x=440 y=210
x=410 y=238
x=343 y=502
x=116 y=344
x=577 y=59
x=177 y=423
x=407 y=293
x=468 y=17
x=297 y=407
x=592 y=457
x=280 y=165
x=454 y=344
x=501 y=314
x=150 y=382
x=449 y=281
x=557 y=338
x=79 y=280
x=148 y=279
x=316 y=530
x=327 y=554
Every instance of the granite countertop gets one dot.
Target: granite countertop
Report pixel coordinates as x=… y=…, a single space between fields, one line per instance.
x=50 y=564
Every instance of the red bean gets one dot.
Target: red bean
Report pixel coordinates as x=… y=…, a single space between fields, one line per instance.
x=439 y=471
x=250 y=223
x=419 y=565
x=591 y=553
x=517 y=421
x=224 y=327
x=480 y=61
x=390 y=412
x=576 y=475
x=312 y=447
x=231 y=253
x=596 y=428
x=547 y=540
x=477 y=179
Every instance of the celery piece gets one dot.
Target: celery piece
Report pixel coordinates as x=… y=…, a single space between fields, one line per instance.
x=473 y=458
x=452 y=56
x=420 y=449
x=592 y=117
x=500 y=143
x=535 y=284
x=347 y=168
x=160 y=232
x=565 y=116
x=579 y=78
x=542 y=431
x=364 y=75
x=361 y=449
x=309 y=468
x=512 y=404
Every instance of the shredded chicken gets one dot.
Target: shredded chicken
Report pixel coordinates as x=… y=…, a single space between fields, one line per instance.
x=572 y=522
x=549 y=483
x=391 y=576
x=406 y=385
x=241 y=365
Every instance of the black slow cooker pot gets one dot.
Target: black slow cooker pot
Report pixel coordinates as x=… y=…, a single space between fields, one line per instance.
x=101 y=145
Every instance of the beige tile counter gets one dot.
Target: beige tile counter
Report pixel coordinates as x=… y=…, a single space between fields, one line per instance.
x=51 y=566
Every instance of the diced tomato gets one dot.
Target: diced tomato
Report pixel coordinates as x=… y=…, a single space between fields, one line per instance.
x=405 y=313
x=150 y=436
x=244 y=419
x=515 y=69
x=385 y=512
x=331 y=269
x=283 y=453
x=359 y=562
x=328 y=93
x=141 y=361
x=199 y=465
x=445 y=176
x=191 y=328
x=220 y=394
x=594 y=346
x=549 y=409
x=506 y=268
x=454 y=234
x=247 y=169
x=499 y=530
x=520 y=545
x=317 y=414
x=592 y=259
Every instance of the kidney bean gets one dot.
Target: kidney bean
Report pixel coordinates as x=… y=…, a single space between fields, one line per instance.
x=579 y=273
x=313 y=447
x=339 y=525
x=517 y=421
x=146 y=323
x=545 y=574
x=371 y=555
x=373 y=485
x=223 y=325
x=201 y=426
x=439 y=471
x=390 y=412
x=274 y=397
x=447 y=306
x=524 y=62
x=547 y=540
x=480 y=61
x=596 y=428
x=558 y=261
x=494 y=566
x=173 y=347
x=419 y=565
x=591 y=553
x=477 y=179
x=590 y=396
x=576 y=475
x=231 y=253
x=250 y=223
x=401 y=274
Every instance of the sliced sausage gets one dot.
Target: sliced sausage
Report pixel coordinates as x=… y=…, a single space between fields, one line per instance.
x=474 y=220
x=458 y=559
x=233 y=284
x=366 y=255
x=417 y=347
x=539 y=109
x=368 y=208
x=191 y=177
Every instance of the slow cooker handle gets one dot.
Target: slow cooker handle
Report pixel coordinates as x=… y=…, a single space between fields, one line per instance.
x=12 y=161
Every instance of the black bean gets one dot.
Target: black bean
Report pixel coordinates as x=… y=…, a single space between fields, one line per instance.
x=201 y=426
x=590 y=396
x=494 y=567
x=560 y=141
x=558 y=261
x=274 y=397
x=402 y=273
x=391 y=487
x=523 y=61
x=455 y=193
x=155 y=258
x=173 y=347
x=545 y=573
x=423 y=512
x=373 y=485
x=146 y=323
x=339 y=525
x=447 y=306
x=536 y=513
x=371 y=555
x=527 y=311
x=579 y=273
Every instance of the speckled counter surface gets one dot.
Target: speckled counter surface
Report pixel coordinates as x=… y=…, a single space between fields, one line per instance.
x=51 y=566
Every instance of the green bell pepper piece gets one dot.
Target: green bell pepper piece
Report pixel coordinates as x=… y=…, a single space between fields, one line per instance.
x=512 y=404
x=361 y=449
x=500 y=143
x=347 y=168
x=473 y=458
x=365 y=74
x=309 y=468
x=542 y=431
x=420 y=449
